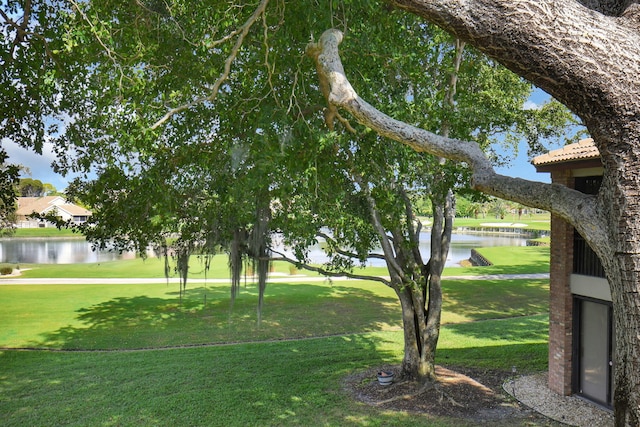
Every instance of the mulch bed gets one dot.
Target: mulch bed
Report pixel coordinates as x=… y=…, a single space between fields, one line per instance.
x=473 y=395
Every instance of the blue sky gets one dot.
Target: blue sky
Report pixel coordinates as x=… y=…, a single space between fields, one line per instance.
x=40 y=165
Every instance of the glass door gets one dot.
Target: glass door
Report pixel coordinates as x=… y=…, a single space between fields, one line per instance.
x=594 y=361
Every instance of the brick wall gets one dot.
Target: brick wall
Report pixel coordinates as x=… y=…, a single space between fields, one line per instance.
x=561 y=301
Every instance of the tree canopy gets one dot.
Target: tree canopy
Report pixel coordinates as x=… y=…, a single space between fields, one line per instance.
x=207 y=126
x=585 y=53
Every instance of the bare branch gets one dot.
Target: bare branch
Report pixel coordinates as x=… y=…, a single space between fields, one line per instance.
x=328 y=273
x=397 y=274
x=571 y=205
x=347 y=253
x=241 y=33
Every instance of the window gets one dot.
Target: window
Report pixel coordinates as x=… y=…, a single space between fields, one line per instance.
x=585 y=260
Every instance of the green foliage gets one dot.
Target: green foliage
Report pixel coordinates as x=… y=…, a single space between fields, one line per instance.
x=248 y=125
x=206 y=128
x=28 y=187
x=29 y=92
x=8 y=205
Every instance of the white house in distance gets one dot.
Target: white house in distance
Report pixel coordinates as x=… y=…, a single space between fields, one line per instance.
x=46 y=205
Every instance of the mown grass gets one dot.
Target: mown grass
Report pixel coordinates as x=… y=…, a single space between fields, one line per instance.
x=154 y=315
x=531 y=222
x=151 y=267
x=347 y=326
x=284 y=383
x=45 y=232
x=508 y=260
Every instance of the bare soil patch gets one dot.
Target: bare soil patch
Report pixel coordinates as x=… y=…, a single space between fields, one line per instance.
x=473 y=396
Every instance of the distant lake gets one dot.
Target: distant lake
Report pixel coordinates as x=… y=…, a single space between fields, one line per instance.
x=74 y=250
x=53 y=251
x=460 y=250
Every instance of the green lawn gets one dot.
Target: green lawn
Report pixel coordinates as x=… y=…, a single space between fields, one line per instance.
x=530 y=222
x=511 y=260
x=152 y=315
x=295 y=383
x=45 y=232
x=261 y=376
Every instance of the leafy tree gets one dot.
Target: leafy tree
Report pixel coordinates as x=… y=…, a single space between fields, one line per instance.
x=596 y=79
x=499 y=208
x=8 y=179
x=206 y=130
x=28 y=187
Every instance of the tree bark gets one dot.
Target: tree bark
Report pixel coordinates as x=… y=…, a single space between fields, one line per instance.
x=619 y=196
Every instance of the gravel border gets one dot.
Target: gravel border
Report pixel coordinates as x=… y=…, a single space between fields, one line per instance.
x=532 y=391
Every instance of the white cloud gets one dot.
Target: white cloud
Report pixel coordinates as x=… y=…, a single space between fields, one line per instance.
x=39 y=166
x=530 y=105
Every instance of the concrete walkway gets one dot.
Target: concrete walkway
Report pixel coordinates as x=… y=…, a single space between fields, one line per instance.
x=273 y=278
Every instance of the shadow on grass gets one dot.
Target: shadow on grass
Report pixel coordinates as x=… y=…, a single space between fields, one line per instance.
x=497 y=344
x=204 y=316
x=283 y=383
x=525 y=358
x=486 y=299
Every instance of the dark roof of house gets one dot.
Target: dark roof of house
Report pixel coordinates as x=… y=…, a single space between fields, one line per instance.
x=582 y=150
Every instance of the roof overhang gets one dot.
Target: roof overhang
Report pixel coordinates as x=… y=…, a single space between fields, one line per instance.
x=580 y=155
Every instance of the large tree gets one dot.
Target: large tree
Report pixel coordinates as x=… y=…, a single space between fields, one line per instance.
x=30 y=102
x=205 y=170
x=199 y=120
x=587 y=55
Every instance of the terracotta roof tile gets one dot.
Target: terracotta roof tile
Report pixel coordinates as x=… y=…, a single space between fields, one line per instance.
x=582 y=150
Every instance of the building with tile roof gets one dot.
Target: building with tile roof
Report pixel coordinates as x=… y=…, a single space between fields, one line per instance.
x=46 y=205
x=581 y=333
x=583 y=152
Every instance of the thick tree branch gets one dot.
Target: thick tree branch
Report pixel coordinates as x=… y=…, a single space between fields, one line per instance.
x=577 y=208
x=414 y=226
x=324 y=272
x=396 y=272
x=569 y=54
x=346 y=253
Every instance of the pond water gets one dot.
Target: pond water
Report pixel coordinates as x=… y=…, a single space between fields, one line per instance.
x=53 y=251
x=71 y=251
x=461 y=245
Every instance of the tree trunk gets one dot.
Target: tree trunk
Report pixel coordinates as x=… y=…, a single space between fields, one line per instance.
x=619 y=199
x=626 y=312
x=421 y=299
x=416 y=365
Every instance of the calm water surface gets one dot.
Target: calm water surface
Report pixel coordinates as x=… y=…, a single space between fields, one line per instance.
x=71 y=251
x=461 y=245
x=53 y=251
